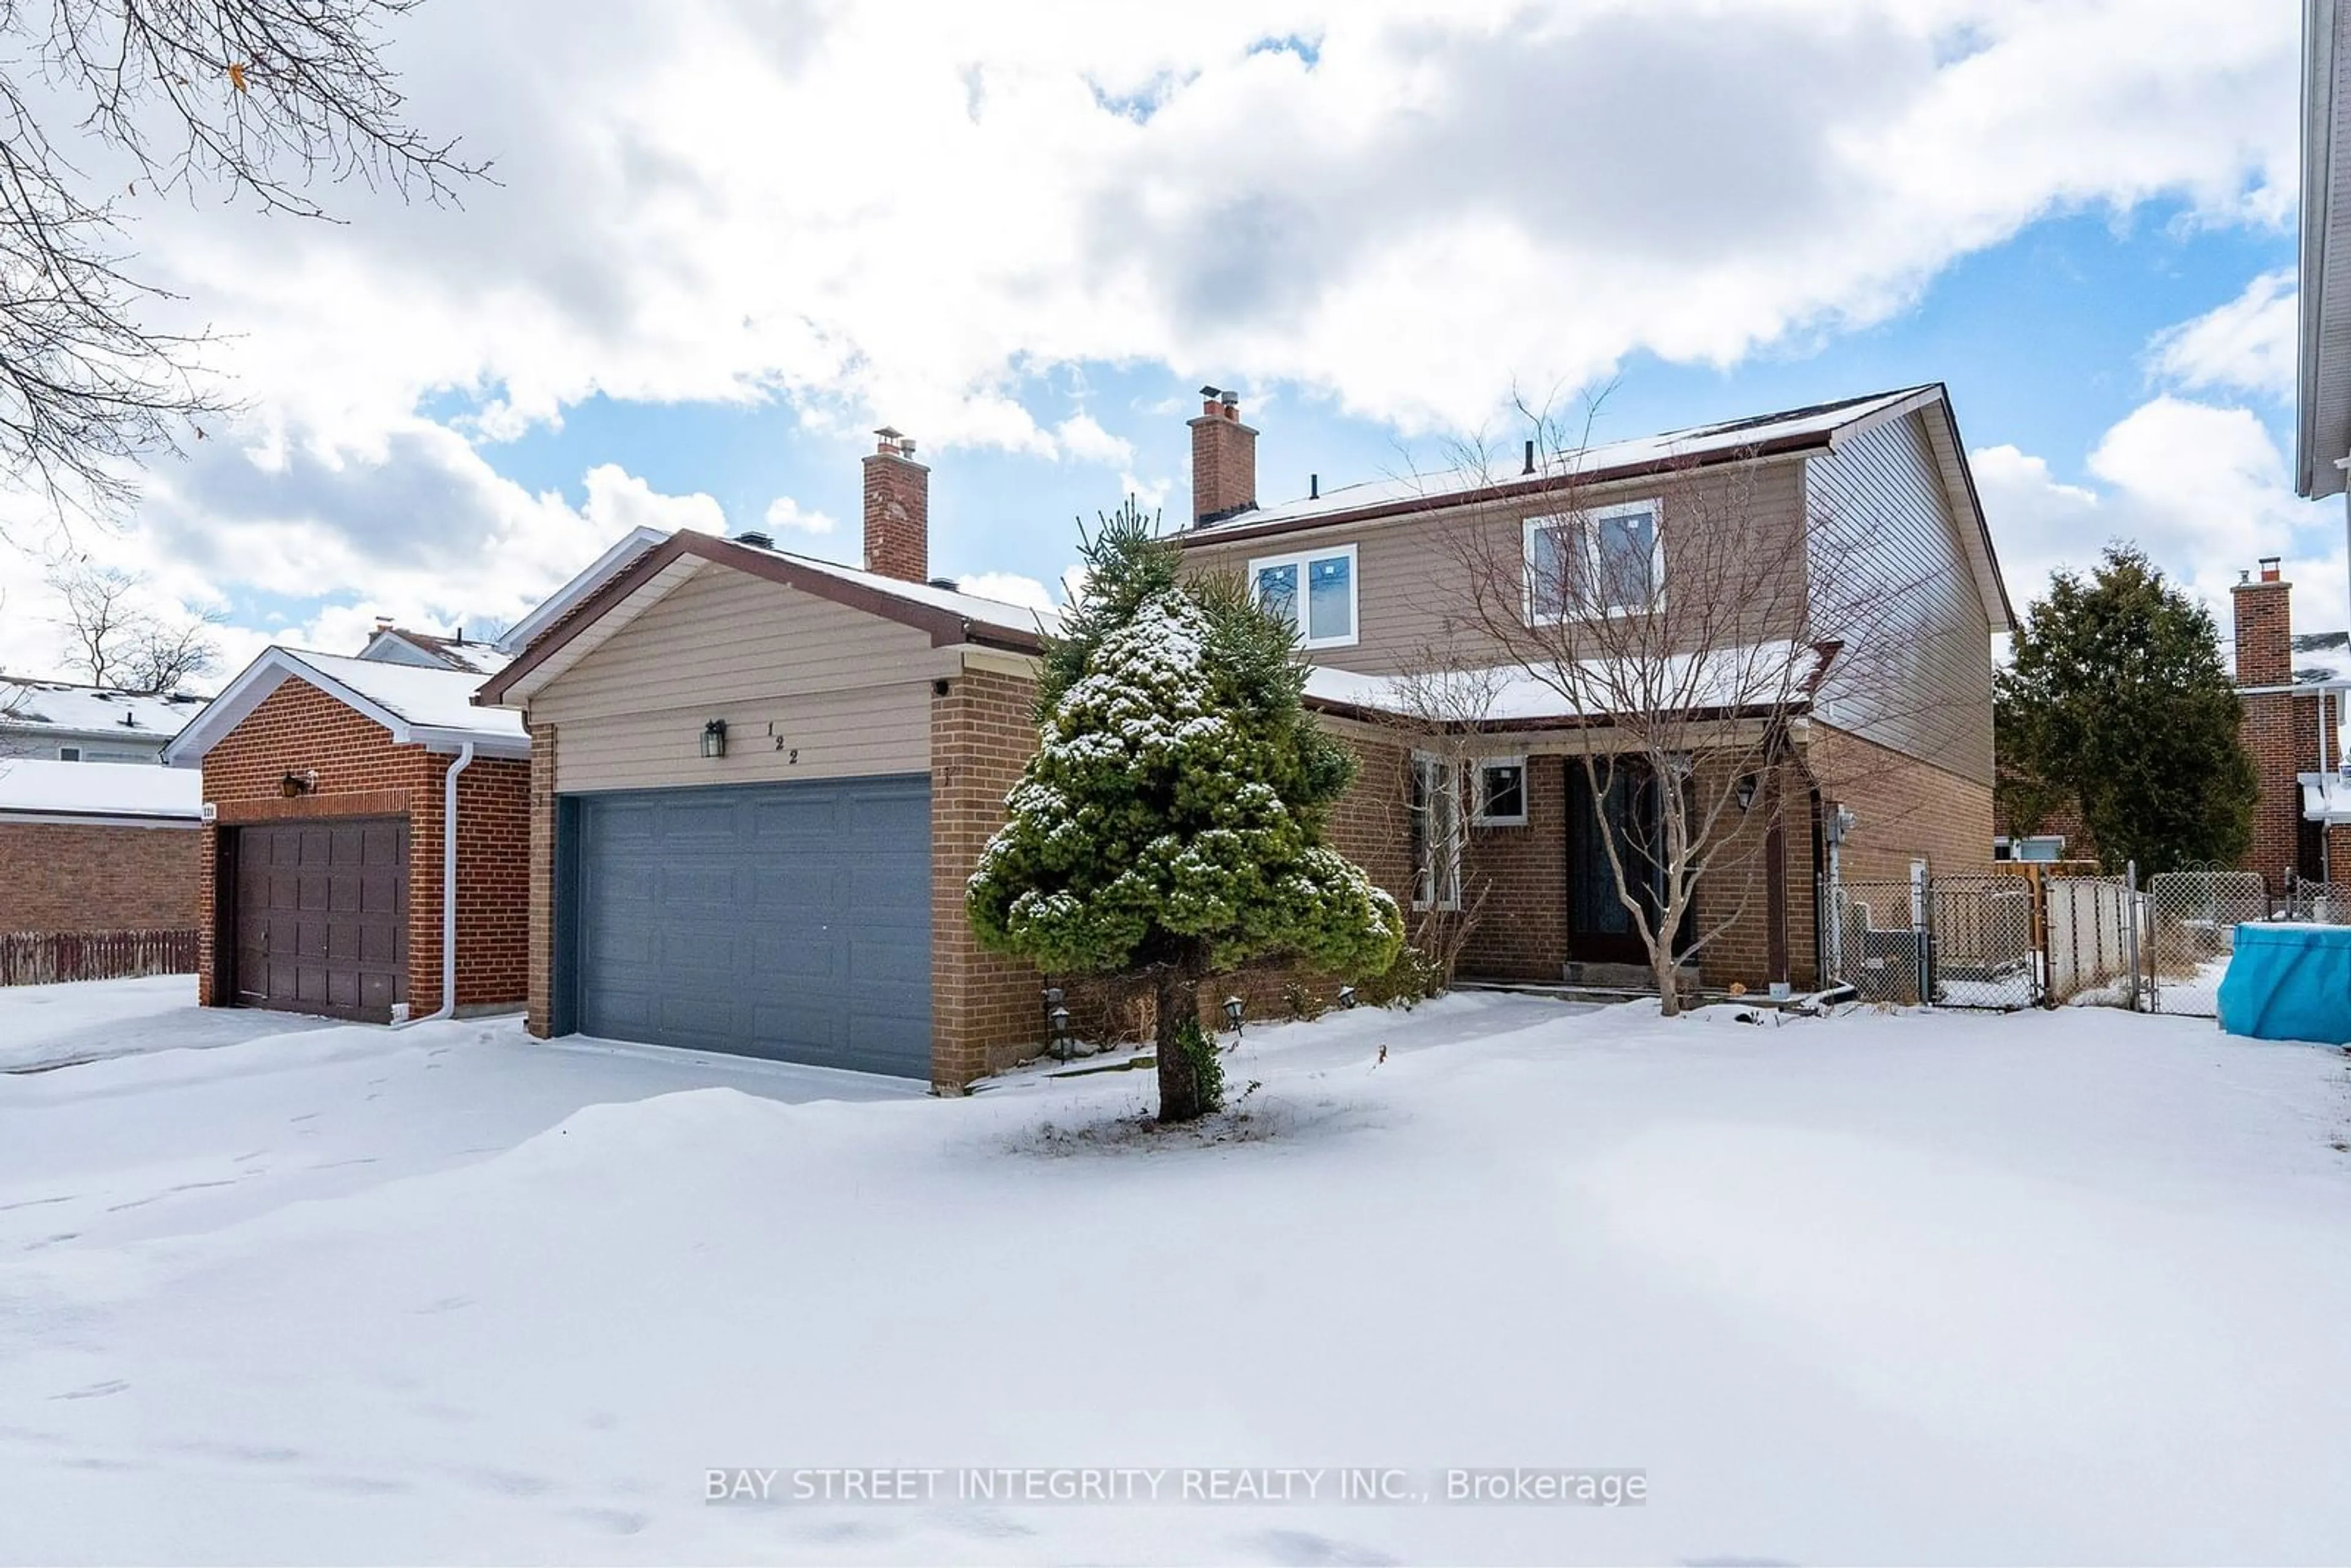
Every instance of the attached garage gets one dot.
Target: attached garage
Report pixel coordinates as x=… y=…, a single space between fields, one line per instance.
x=788 y=921
x=760 y=783
x=321 y=915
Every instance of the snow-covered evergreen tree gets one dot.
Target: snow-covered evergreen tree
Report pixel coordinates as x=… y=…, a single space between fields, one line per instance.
x=1170 y=825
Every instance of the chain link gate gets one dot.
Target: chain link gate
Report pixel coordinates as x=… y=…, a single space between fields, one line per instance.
x=2190 y=929
x=1954 y=941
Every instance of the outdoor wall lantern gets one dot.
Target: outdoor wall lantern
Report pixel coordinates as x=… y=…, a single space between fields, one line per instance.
x=1746 y=792
x=1347 y=996
x=1233 y=1013
x=714 y=739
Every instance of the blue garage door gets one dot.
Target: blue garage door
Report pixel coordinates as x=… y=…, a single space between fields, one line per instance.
x=790 y=920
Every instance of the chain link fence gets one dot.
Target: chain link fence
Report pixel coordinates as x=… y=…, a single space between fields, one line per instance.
x=2015 y=940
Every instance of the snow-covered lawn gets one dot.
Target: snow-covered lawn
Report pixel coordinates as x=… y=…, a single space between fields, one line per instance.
x=1949 y=1288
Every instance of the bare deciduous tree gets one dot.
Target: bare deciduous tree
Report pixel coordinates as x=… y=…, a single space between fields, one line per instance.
x=1689 y=628
x=261 y=100
x=115 y=638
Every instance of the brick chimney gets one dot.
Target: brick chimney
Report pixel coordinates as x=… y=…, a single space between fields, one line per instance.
x=1224 y=460
x=897 y=511
x=2264 y=628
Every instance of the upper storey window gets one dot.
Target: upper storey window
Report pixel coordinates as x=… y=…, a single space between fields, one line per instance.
x=1606 y=561
x=1314 y=591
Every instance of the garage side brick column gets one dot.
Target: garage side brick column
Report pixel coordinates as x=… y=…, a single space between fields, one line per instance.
x=540 y=961
x=986 y=1008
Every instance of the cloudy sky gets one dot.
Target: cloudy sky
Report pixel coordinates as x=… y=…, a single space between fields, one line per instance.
x=730 y=237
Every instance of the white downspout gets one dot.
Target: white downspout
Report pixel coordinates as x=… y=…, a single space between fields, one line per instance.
x=448 y=1007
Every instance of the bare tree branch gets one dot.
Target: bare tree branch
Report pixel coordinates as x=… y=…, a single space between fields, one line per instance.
x=262 y=100
x=117 y=641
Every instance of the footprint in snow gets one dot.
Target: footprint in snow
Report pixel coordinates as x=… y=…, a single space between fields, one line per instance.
x=94 y=1391
x=52 y=1241
x=610 y=1521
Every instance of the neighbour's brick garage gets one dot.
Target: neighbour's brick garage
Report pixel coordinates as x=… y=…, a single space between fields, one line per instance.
x=71 y=877
x=360 y=772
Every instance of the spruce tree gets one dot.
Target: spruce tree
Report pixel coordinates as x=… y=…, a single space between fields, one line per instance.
x=2117 y=696
x=1170 y=825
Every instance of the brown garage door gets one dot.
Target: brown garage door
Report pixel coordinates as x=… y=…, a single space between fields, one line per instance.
x=322 y=915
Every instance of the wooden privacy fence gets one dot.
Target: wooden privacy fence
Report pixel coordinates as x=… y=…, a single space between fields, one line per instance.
x=45 y=958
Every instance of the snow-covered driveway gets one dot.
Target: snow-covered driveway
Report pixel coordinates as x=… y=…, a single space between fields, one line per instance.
x=1912 y=1287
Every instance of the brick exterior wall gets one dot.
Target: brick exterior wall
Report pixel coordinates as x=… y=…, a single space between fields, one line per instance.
x=2280 y=731
x=85 y=877
x=1223 y=463
x=540 y=921
x=898 y=515
x=986 y=1010
x=1903 y=808
x=361 y=773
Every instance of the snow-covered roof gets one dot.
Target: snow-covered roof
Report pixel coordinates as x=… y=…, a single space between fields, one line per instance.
x=1773 y=673
x=597 y=573
x=399 y=645
x=36 y=787
x=60 y=707
x=938 y=596
x=1696 y=444
x=429 y=707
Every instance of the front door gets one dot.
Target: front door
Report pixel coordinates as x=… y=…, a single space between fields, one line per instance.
x=1600 y=929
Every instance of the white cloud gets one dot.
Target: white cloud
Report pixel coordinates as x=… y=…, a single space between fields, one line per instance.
x=1081 y=438
x=1009 y=588
x=2201 y=488
x=969 y=208
x=2248 y=345
x=1449 y=200
x=619 y=501
x=786 y=515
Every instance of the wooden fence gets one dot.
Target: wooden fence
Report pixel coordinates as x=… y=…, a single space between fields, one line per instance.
x=45 y=958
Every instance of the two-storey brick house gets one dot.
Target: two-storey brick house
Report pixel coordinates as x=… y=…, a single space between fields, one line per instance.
x=1844 y=540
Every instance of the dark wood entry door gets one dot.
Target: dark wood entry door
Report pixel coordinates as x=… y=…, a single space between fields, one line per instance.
x=1600 y=929
x=322 y=916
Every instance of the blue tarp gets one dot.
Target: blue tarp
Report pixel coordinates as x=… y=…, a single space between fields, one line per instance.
x=2289 y=982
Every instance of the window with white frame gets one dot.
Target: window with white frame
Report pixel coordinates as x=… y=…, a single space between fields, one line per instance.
x=1500 y=797
x=1606 y=561
x=1314 y=591
x=1436 y=832
x=69 y=754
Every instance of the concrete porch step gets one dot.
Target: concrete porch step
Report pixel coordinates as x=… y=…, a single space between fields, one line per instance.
x=1635 y=978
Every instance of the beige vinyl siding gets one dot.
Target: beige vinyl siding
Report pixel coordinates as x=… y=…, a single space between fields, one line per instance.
x=810 y=689
x=1414 y=574
x=1916 y=675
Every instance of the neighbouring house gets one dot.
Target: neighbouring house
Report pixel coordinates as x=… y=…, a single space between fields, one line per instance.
x=394 y=644
x=759 y=783
x=330 y=785
x=2323 y=380
x=1897 y=763
x=98 y=871
x=69 y=722
x=2293 y=688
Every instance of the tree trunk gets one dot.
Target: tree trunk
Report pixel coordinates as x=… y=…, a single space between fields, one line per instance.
x=1669 y=1000
x=1178 y=997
